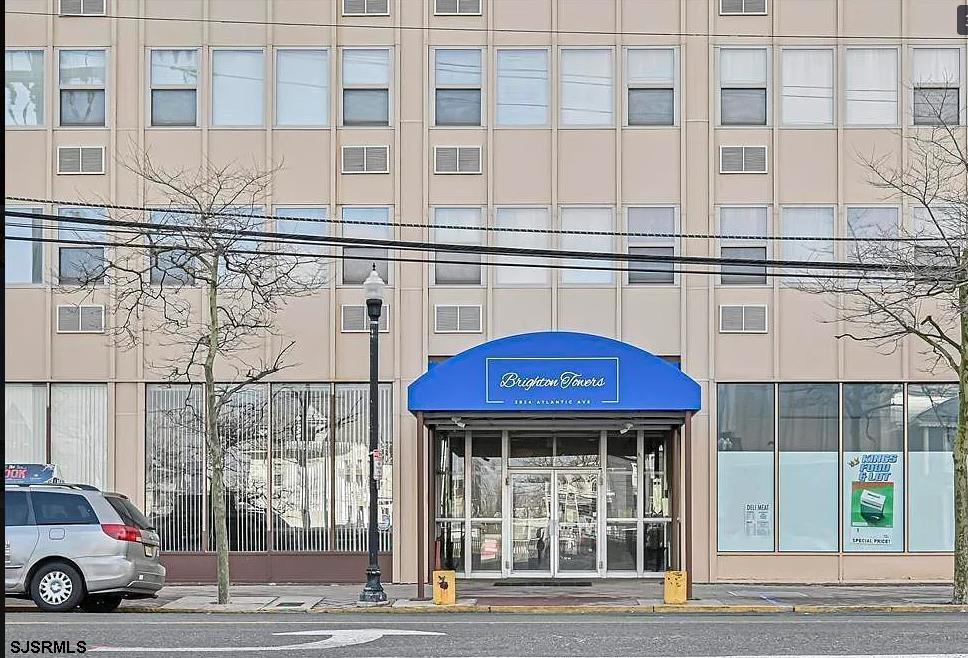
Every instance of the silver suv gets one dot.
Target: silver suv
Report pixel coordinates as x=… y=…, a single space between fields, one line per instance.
x=70 y=545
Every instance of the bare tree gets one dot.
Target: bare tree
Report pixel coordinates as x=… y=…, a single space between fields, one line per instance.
x=921 y=292
x=192 y=281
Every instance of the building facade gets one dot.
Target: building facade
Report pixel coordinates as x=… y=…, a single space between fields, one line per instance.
x=811 y=459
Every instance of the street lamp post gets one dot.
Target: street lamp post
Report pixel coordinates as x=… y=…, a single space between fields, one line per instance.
x=373 y=289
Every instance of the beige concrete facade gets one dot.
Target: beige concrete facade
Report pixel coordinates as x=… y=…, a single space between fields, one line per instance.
x=554 y=167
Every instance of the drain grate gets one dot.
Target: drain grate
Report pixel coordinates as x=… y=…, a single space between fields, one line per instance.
x=542 y=583
x=290 y=604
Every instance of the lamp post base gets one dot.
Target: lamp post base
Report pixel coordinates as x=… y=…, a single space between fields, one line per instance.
x=373 y=590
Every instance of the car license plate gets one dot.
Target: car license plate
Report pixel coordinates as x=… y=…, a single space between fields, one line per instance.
x=150 y=551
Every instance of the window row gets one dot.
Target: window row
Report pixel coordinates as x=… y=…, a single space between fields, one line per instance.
x=586 y=86
x=822 y=467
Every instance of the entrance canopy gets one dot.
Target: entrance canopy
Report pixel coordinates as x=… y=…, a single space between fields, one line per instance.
x=554 y=371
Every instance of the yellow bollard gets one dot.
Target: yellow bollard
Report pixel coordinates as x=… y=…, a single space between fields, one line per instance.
x=675 y=587
x=445 y=587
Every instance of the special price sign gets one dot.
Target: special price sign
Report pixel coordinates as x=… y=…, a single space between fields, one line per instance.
x=873 y=501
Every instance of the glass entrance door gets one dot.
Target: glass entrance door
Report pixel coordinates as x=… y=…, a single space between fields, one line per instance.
x=577 y=523
x=531 y=522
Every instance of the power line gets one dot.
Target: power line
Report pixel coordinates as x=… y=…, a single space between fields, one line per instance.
x=483 y=30
x=488 y=229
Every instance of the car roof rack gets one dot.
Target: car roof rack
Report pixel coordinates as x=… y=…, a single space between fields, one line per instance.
x=69 y=485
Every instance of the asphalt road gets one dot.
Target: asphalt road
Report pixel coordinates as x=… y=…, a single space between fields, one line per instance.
x=371 y=634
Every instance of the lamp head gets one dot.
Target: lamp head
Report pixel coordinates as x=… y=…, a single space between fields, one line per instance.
x=374 y=286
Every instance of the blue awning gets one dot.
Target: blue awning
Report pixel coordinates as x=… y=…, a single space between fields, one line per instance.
x=554 y=371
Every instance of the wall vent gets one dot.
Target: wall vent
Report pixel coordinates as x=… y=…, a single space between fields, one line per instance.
x=453 y=319
x=366 y=159
x=84 y=319
x=457 y=7
x=366 y=7
x=746 y=319
x=742 y=159
x=457 y=160
x=82 y=7
x=742 y=7
x=80 y=159
x=353 y=319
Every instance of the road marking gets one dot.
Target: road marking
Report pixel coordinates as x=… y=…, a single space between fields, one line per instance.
x=337 y=638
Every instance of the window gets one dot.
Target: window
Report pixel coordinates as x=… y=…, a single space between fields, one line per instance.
x=23 y=260
x=808 y=86
x=76 y=263
x=79 y=432
x=130 y=515
x=942 y=225
x=457 y=79
x=82 y=80
x=809 y=442
x=873 y=467
x=750 y=225
x=23 y=73
x=359 y=261
x=530 y=272
x=170 y=265
x=652 y=220
x=312 y=269
x=743 y=86
x=586 y=87
x=745 y=467
x=366 y=87
x=25 y=423
x=651 y=86
x=15 y=511
x=238 y=79
x=174 y=87
x=459 y=268
x=871 y=83
x=601 y=220
x=522 y=87
x=366 y=8
x=302 y=87
x=872 y=222
x=807 y=222
x=932 y=420
x=52 y=508
x=936 y=78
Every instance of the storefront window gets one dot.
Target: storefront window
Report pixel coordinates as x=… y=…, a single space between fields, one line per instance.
x=809 y=443
x=577 y=450
x=932 y=426
x=621 y=476
x=531 y=450
x=486 y=546
x=450 y=475
x=486 y=475
x=873 y=467
x=451 y=537
x=745 y=467
x=25 y=423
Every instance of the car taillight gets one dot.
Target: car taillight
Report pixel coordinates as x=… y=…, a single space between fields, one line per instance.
x=121 y=532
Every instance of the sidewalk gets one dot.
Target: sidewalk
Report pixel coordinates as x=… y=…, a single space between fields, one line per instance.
x=607 y=596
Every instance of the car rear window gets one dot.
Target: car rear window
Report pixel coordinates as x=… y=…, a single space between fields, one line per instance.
x=15 y=508
x=130 y=514
x=62 y=509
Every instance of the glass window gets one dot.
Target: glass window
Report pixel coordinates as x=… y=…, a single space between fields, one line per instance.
x=485 y=546
x=932 y=429
x=601 y=220
x=743 y=86
x=586 y=87
x=936 y=78
x=522 y=218
x=873 y=470
x=76 y=263
x=871 y=222
x=79 y=432
x=486 y=477
x=622 y=478
x=130 y=515
x=171 y=265
x=366 y=87
x=359 y=261
x=174 y=87
x=52 y=508
x=15 y=511
x=807 y=222
x=579 y=450
x=302 y=87
x=871 y=86
x=530 y=449
x=451 y=538
x=651 y=86
x=23 y=90
x=522 y=87
x=451 y=485
x=82 y=82
x=313 y=269
x=808 y=86
x=652 y=220
x=238 y=81
x=745 y=467
x=809 y=443
x=24 y=259
x=750 y=227
x=457 y=74
x=464 y=268
x=25 y=423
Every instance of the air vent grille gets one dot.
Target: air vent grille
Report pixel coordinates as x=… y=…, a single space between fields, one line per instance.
x=82 y=7
x=457 y=7
x=742 y=7
x=84 y=319
x=366 y=159
x=365 y=7
x=743 y=319
x=457 y=160
x=353 y=319
x=742 y=159
x=452 y=319
x=80 y=160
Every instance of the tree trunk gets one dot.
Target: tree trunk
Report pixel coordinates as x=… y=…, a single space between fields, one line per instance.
x=221 y=533
x=960 y=456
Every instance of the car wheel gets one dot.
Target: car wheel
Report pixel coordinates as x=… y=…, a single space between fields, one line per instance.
x=57 y=587
x=100 y=603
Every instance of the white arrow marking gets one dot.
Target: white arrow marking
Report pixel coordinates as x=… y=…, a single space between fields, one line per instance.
x=337 y=639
